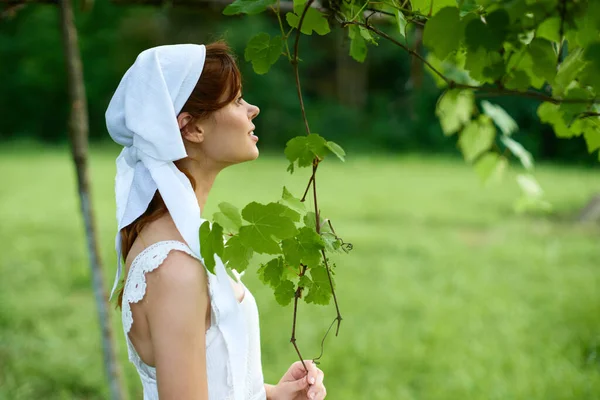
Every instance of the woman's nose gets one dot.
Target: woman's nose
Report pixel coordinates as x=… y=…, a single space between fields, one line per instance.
x=254 y=111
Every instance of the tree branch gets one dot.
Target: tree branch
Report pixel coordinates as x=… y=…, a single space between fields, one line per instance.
x=490 y=90
x=295 y=64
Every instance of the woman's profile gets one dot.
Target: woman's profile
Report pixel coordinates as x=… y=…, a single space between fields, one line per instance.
x=180 y=116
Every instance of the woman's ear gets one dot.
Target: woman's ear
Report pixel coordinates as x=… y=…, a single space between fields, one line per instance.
x=189 y=129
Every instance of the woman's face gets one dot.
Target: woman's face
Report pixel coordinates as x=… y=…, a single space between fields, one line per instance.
x=228 y=135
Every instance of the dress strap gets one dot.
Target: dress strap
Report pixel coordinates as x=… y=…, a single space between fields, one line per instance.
x=147 y=261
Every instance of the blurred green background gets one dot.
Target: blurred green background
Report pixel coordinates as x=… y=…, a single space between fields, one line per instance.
x=448 y=293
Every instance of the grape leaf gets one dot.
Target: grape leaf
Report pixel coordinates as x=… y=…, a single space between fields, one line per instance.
x=488 y=36
x=490 y=167
x=544 y=58
x=249 y=7
x=305 y=281
x=549 y=29
x=504 y=121
x=477 y=137
x=266 y=222
x=292 y=202
x=236 y=254
x=314 y=20
x=517 y=80
x=271 y=273
x=440 y=34
x=519 y=151
x=455 y=109
x=592 y=139
x=263 y=51
x=285 y=292
x=433 y=6
x=550 y=114
x=211 y=243
x=570 y=111
x=401 y=21
x=229 y=217
x=568 y=70
x=358 y=46
x=320 y=289
x=331 y=242
x=303 y=149
x=305 y=248
x=336 y=149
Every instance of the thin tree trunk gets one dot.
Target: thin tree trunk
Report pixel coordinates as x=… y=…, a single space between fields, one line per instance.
x=78 y=135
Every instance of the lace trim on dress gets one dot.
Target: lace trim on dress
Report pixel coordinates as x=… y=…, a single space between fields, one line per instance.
x=135 y=284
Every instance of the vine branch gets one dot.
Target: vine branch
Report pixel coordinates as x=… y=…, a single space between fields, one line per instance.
x=295 y=63
x=490 y=90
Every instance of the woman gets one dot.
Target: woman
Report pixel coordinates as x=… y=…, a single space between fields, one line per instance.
x=191 y=334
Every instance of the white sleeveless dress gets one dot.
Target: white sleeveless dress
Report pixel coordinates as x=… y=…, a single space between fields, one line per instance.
x=233 y=360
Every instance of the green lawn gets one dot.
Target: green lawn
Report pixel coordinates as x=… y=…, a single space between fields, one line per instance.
x=447 y=294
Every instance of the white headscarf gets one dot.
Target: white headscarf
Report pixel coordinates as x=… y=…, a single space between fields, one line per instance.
x=142 y=116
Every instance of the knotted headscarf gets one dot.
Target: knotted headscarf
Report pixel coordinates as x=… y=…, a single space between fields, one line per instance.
x=142 y=116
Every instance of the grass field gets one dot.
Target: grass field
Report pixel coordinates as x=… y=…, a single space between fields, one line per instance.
x=448 y=294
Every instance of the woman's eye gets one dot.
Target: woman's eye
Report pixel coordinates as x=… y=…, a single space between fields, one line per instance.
x=239 y=100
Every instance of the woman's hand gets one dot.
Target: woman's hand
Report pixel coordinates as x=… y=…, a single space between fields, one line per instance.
x=296 y=384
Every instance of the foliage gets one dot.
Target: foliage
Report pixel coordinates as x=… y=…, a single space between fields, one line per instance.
x=547 y=50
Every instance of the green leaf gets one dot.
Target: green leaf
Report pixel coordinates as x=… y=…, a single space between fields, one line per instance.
x=519 y=151
x=568 y=70
x=488 y=36
x=310 y=220
x=236 y=254
x=517 y=80
x=211 y=243
x=477 y=137
x=532 y=197
x=433 y=6
x=592 y=139
x=292 y=202
x=263 y=51
x=366 y=34
x=314 y=20
x=303 y=149
x=249 y=7
x=401 y=22
x=551 y=114
x=284 y=294
x=358 y=46
x=266 y=223
x=528 y=66
x=271 y=273
x=440 y=35
x=455 y=109
x=549 y=29
x=229 y=217
x=571 y=110
x=544 y=58
x=336 y=149
x=490 y=167
x=590 y=75
x=320 y=289
x=305 y=248
x=332 y=244
x=504 y=121
x=305 y=281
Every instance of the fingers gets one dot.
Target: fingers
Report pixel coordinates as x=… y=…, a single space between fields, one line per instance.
x=317 y=390
x=297 y=369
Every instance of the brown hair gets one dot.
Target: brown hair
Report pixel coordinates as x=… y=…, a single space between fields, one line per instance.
x=218 y=85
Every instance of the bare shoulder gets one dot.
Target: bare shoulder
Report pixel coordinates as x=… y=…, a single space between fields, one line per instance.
x=179 y=275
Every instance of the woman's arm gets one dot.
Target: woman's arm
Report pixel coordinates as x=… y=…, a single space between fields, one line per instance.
x=177 y=302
